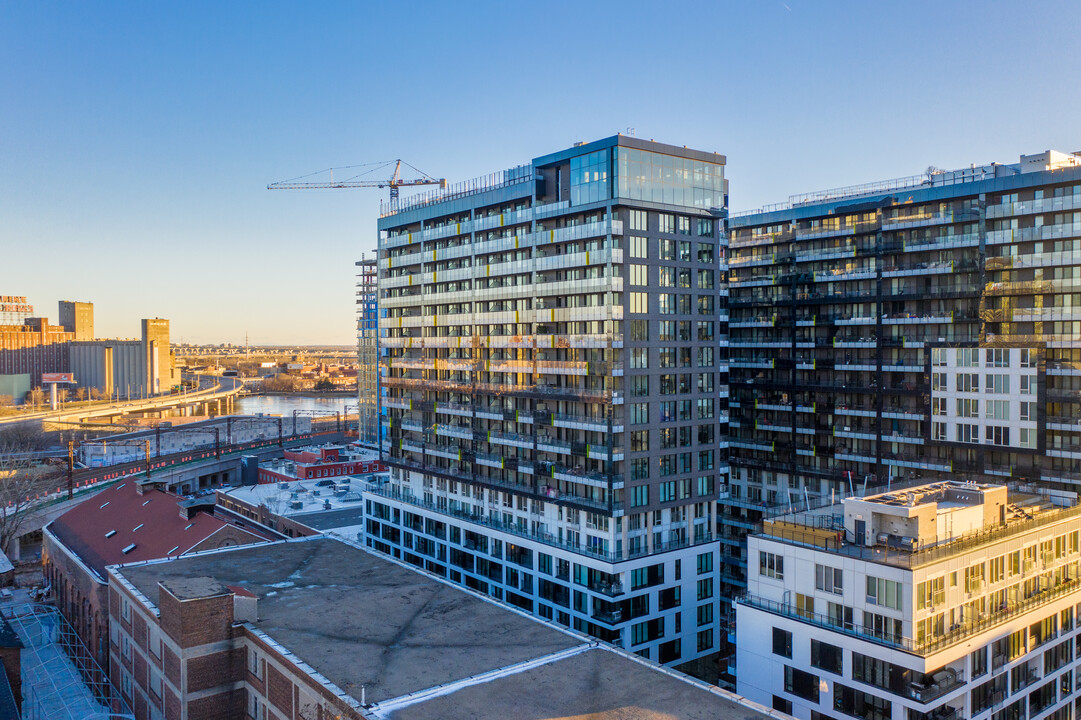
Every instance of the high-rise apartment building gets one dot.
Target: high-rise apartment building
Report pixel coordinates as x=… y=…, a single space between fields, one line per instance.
x=916 y=329
x=555 y=380
x=947 y=601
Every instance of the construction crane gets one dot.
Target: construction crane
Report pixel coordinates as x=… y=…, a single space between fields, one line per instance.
x=395 y=182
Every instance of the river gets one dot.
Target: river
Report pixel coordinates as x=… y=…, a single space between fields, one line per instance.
x=285 y=404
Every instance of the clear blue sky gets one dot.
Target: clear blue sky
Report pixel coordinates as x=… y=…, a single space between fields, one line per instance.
x=136 y=139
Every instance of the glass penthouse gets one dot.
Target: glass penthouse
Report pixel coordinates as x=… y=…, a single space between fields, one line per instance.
x=555 y=375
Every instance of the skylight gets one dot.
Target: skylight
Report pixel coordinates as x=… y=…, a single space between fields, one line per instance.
x=128 y=549
x=137 y=527
x=110 y=533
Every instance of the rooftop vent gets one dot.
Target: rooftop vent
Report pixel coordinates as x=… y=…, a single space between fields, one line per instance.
x=110 y=533
x=128 y=549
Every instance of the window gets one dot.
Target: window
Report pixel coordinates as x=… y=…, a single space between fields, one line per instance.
x=882 y=626
x=639 y=413
x=938 y=382
x=639 y=358
x=828 y=579
x=938 y=406
x=938 y=431
x=668 y=488
x=705 y=563
x=667 y=249
x=938 y=357
x=826 y=657
x=782 y=643
x=638 y=245
x=704 y=589
x=640 y=330
x=1028 y=358
x=998 y=435
x=1028 y=385
x=639 y=275
x=979 y=662
x=771 y=565
x=968 y=357
x=638 y=221
x=1028 y=411
x=639 y=440
x=666 y=277
x=968 y=382
x=860 y=704
x=640 y=496
x=998 y=358
x=705 y=279
x=974 y=577
x=968 y=408
x=666 y=223
x=968 y=433
x=930 y=593
x=886 y=593
x=639 y=303
x=705 y=640
x=705 y=614
x=801 y=684
x=997 y=384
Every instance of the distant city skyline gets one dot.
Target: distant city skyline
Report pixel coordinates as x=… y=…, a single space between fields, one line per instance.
x=140 y=138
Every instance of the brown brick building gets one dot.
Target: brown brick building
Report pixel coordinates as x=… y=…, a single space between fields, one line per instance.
x=33 y=348
x=316 y=628
x=124 y=523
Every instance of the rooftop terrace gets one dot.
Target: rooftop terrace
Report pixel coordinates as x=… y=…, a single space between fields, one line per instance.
x=924 y=524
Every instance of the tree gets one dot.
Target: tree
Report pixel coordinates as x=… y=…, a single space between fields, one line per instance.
x=82 y=393
x=35 y=396
x=324 y=384
x=21 y=478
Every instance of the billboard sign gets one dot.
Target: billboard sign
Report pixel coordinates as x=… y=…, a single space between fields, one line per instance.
x=57 y=377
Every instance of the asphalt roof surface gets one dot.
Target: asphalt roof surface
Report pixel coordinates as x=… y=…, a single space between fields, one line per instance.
x=361 y=619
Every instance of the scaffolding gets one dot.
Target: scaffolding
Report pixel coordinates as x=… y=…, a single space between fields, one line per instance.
x=60 y=678
x=367 y=354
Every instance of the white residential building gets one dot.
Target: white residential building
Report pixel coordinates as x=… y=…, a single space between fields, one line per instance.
x=941 y=601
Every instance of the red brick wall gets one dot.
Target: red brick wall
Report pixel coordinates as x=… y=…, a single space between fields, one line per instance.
x=220 y=668
x=228 y=705
x=81 y=598
x=196 y=622
x=172 y=666
x=279 y=691
x=172 y=705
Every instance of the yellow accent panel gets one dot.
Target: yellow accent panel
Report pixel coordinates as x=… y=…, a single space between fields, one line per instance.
x=410 y=278
x=551 y=236
x=501 y=220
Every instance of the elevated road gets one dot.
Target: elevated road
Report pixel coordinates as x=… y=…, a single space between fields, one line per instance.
x=211 y=390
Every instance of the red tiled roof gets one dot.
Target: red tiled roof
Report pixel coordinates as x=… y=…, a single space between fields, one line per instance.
x=98 y=530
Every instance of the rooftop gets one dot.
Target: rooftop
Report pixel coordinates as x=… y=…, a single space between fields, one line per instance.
x=926 y=523
x=423 y=648
x=121 y=525
x=933 y=177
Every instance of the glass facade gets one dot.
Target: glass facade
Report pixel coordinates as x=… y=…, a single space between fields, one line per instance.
x=589 y=178
x=653 y=177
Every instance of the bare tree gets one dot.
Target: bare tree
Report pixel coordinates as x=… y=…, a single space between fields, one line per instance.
x=36 y=396
x=22 y=481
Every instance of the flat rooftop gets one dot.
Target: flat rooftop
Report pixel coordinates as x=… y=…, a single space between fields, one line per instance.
x=304 y=496
x=424 y=648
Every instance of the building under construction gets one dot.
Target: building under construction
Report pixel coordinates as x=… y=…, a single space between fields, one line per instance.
x=367 y=355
